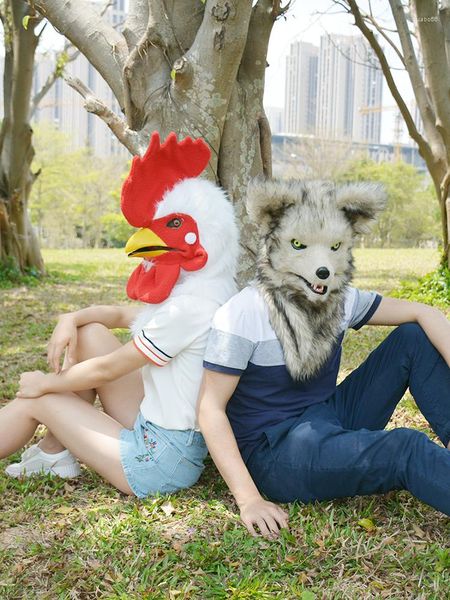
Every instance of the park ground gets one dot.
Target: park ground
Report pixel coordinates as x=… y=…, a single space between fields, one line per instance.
x=82 y=539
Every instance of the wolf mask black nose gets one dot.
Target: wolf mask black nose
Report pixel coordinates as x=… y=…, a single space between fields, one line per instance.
x=322 y=273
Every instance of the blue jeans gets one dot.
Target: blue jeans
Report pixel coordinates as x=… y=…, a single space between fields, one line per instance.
x=339 y=447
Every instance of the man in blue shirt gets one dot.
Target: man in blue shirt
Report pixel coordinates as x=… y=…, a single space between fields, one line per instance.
x=273 y=431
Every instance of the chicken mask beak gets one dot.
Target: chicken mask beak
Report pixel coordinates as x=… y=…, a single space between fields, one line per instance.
x=146 y=244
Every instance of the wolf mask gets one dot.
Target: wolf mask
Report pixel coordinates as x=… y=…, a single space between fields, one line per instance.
x=307 y=231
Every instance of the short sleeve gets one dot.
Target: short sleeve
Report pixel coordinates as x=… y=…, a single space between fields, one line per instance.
x=171 y=329
x=229 y=348
x=362 y=307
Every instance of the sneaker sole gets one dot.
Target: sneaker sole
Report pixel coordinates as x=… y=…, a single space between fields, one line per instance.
x=65 y=472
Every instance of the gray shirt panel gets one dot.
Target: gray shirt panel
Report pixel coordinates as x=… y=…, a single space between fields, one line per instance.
x=228 y=349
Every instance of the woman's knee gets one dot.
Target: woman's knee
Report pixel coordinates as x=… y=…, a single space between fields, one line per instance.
x=94 y=339
x=36 y=408
x=91 y=331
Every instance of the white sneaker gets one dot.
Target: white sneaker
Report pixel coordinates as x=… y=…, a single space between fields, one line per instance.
x=34 y=460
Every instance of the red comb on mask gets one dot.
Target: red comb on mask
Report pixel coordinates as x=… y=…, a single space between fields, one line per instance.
x=155 y=173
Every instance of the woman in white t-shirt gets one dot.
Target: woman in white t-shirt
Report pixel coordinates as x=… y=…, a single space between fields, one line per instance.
x=147 y=439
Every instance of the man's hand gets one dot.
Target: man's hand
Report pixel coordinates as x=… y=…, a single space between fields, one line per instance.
x=64 y=336
x=269 y=517
x=33 y=384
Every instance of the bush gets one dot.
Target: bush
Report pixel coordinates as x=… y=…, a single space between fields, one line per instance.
x=115 y=230
x=11 y=275
x=433 y=288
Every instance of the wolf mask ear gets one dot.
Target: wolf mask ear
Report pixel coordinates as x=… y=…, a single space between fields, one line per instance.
x=361 y=203
x=266 y=199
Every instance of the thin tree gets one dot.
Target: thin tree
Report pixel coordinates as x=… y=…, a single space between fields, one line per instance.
x=421 y=42
x=193 y=67
x=18 y=244
x=22 y=31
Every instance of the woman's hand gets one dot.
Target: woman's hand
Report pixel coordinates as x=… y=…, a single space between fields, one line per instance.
x=33 y=384
x=269 y=517
x=64 y=336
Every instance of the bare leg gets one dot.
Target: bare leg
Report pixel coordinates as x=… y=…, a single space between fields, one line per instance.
x=88 y=433
x=120 y=399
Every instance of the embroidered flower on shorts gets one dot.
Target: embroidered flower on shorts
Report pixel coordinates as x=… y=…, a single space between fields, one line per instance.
x=150 y=444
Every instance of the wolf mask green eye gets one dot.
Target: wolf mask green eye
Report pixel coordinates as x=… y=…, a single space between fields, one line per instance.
x=297 y=245
x=336 y=246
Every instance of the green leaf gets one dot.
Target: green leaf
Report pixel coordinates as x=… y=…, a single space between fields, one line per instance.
x=367 y=524
x=308 y=595
x=25 y=21
x=172 y=74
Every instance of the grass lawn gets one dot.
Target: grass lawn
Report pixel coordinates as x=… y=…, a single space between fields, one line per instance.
x=82 y=539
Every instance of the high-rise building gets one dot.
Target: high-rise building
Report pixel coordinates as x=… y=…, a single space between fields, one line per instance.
x=350 y=86
x=368 y=91
x=300 y=102
x=275 y=117
x=64 y=107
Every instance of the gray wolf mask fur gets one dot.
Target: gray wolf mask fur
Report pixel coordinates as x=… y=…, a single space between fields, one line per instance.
x=305 y=263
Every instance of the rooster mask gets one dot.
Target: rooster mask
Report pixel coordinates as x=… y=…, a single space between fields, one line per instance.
x=169 y=239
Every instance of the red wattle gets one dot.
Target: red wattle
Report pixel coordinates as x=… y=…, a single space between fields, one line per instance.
x=153 y=286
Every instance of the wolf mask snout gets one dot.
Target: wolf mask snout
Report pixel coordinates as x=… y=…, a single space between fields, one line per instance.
x=322 y=273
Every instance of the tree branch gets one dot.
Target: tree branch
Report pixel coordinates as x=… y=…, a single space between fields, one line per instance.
x=103 y=46
x=136 y=22
x=216 y=53
x=417 y=83
x=159 y=39
x=129 y=138
x=384 y=35
x=444 y=13
x=436 y=65
x=62 y=59
x=424 y=147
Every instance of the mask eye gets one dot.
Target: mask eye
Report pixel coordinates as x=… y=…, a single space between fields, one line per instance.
x=297 y=245
x=174 y=223
x=336 y=246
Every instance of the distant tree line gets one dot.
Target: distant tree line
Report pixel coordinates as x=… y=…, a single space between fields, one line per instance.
x=75 y=203
x=412 y=216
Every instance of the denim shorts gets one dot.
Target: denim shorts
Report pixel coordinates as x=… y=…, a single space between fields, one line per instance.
x=161 y=460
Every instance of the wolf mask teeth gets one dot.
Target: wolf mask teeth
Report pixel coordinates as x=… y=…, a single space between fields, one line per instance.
x=324 y=219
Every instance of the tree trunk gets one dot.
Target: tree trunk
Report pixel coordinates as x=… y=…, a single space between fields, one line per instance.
x=196 y=68
x=19 y=248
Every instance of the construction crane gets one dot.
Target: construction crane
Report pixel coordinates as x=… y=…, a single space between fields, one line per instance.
x=398 y=126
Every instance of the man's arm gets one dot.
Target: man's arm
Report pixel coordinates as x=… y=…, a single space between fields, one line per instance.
x=65 y=333
x=85 y=375
x=392 y=311
x=215 y=393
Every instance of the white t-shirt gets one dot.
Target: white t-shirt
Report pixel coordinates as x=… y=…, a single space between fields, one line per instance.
x=174 y=340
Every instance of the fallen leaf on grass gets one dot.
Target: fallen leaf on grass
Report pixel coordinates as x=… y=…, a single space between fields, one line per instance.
x=167 y=508
x=177 y=545
x=64 y=510
x=419 y=532
x=290 y=558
